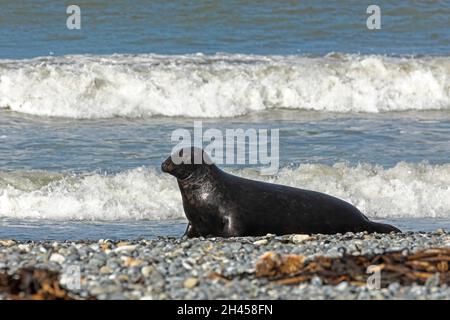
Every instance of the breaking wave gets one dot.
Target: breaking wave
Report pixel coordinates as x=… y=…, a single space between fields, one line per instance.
x=222 y=85
x=404 y=191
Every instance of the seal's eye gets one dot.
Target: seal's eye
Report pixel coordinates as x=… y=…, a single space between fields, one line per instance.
x=185 y=155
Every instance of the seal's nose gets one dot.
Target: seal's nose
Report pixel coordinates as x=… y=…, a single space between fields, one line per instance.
x=167 y=166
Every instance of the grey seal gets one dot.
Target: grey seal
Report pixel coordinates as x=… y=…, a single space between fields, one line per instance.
x=219 y=204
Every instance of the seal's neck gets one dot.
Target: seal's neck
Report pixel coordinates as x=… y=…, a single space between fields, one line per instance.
x=203 y=174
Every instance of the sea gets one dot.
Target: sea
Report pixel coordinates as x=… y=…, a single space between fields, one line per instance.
x=87 y=115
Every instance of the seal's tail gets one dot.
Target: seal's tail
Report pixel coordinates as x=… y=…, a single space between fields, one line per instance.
x=383 y=228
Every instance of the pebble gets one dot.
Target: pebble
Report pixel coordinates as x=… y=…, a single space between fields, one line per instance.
x=261 y=242
x=96 y=262
x=7 y=243
x=432 y=281
x=24 y=247
x=299 y=238
x=190 y=283
x=316 y=281
x=105 y=269
x=56 y=257
x=131 y=262
x=342 y=286
x=125 y=248
x=394 y=287
x=147 y=271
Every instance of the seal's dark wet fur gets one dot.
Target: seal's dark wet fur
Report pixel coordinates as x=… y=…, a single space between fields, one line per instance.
x=219 y=204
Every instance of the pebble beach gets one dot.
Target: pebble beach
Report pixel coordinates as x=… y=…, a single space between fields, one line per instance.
x=181 y=268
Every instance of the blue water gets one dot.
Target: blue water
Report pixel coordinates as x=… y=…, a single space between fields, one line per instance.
x=38 y=28
x=49 y=230
x=114 y=145
x=82 y=111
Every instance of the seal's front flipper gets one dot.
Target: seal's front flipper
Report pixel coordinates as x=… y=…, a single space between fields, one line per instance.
x=190 y=231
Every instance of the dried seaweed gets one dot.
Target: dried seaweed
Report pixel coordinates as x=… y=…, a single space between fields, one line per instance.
x=400 y=266
x=33 y=284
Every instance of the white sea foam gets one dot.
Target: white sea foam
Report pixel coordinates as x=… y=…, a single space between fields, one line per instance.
x=221 y=85
x=136 y=194
x=406 y=190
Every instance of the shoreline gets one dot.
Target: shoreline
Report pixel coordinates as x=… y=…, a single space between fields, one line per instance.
x=180 y=268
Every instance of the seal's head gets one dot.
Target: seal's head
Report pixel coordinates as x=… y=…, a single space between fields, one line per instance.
x=183 y=163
